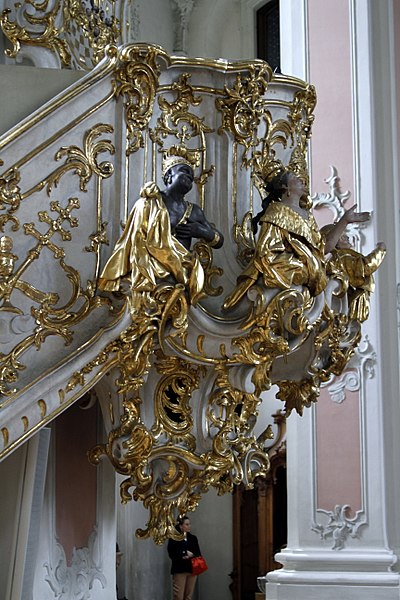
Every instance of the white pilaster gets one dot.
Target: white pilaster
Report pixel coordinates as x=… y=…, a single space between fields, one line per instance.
x=366 y=567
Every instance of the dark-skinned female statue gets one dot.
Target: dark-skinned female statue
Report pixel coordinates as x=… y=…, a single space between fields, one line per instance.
x=156 y=241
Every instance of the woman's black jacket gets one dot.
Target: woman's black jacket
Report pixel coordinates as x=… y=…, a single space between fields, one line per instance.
x=178 y=549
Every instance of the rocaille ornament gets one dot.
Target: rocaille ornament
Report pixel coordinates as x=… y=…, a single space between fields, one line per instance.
x=229 y=283
x=284 y=281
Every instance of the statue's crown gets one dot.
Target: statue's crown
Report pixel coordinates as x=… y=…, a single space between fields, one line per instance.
x=265 y=175
x=179 y=155
x=298 y=165
x=275 y=167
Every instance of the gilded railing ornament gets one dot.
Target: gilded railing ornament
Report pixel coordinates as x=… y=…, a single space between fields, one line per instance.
x=89 y=28
x=179 y=120
x=50 y=232
x=211 y=272
x=42 y=29
x=301 y=117
x=75 y=33
x=84 y=162
x=10 y=192
x=242 y=106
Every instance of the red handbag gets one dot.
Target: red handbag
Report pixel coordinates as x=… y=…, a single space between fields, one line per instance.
x=199 y=565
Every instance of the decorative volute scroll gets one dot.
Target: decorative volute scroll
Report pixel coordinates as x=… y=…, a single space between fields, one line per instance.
x=179 y=370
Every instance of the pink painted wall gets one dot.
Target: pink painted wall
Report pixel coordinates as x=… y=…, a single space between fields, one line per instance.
x=338 y=465
x=76 y=479
x=338 y=425
x=330 y=72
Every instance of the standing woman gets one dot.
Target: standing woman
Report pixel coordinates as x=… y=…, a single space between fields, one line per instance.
x=180 y=553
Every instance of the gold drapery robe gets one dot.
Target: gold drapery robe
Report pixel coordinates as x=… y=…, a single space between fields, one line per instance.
x=289 y=251
x=358 y=270
x=149 y=252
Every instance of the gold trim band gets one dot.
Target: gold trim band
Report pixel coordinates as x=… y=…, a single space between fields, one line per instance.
x=214 y=242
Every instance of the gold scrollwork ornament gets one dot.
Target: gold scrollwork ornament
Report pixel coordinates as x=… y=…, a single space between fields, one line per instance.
x=50 y=35
x=77 y=33
x=137 y=80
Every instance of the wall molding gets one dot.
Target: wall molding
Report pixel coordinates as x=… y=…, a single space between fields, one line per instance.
x=75 y=581
x=361 y=366
x=340 y=526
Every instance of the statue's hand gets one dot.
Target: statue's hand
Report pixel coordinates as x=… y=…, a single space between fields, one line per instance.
x=194 y=230
x=351 y=216
x=149 y=190
x=125 y=286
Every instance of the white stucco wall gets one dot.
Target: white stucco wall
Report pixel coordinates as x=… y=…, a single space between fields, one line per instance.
x=20 y=93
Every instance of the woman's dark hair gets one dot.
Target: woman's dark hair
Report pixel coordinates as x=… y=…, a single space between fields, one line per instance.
x=181 y=520
x=274 y=188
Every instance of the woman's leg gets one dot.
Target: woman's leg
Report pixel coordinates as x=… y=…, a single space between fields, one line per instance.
x=189 y=586
x=178 y=586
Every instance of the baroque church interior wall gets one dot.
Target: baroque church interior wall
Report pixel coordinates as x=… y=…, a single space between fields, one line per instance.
x=225 y=28
x=154 y=23
x=75 y=431
x=12 y=472
x=75 y=545
x=215 y=30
